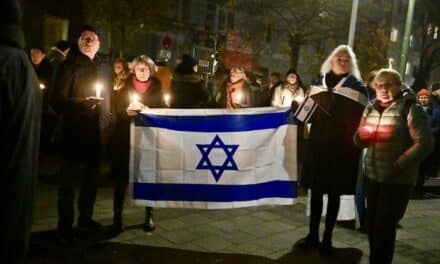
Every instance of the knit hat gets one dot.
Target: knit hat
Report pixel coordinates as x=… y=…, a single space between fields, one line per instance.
x=62 y=45
x=89 y=28
x=186 y=66
x=10 y=12
x=423 y=91
x=435 y=87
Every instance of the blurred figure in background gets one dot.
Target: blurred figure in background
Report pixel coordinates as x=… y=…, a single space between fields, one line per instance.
x=235 y=91
x=120 y=73
x=187 y=88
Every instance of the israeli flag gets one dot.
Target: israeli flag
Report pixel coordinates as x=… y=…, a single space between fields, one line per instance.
x=213 y=158
x=305 y=110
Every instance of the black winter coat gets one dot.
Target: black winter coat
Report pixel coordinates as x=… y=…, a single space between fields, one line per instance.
x=20 y=115
x=77 y=136
x=120 y=123
x=188 y=91
x=332 y=159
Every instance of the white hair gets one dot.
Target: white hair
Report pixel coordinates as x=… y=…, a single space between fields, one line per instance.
x=327 y=65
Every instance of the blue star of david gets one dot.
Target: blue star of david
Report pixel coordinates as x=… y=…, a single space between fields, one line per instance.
x=205 y=162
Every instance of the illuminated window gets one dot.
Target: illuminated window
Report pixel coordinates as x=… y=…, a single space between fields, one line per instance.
x=394 y=34
x=407 y=68
x=435 y=33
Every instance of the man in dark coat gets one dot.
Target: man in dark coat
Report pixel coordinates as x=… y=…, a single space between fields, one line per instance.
x=187 y=89
x=20 y=113
x=77 y=136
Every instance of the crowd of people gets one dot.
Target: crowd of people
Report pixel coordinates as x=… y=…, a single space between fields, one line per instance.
x=86 y=106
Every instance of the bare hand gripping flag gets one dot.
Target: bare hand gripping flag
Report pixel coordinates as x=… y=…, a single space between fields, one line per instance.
x=213 y=158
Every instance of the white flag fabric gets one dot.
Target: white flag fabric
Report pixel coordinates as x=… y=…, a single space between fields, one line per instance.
x=213 y=158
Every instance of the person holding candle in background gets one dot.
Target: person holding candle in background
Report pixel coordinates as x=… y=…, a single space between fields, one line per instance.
x=76 y=98
x=235 y=91
x=397 y=135
x=141 y=90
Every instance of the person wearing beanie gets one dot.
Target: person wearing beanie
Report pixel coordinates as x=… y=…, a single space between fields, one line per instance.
x=78 y=136
x=435 y=91
x=187 y=88
x=430 y=166
x=20 y=118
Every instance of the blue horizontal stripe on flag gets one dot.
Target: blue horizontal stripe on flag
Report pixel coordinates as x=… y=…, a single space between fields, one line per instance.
x=213 y=193
x=215 y=123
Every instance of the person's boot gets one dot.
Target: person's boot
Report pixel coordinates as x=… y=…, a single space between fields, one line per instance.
x=326 y=247
x=149 y=224
x=117 y=226
x=307 y=243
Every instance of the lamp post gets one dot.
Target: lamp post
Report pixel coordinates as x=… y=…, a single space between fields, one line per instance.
x=354 y=11
x=405 y=42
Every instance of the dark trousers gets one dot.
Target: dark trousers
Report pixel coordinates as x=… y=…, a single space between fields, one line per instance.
x=74 y=173
x=386 y=206
x=316 y=204
x=120 y=189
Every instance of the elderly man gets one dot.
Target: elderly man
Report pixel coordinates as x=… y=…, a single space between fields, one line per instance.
x=77 y=136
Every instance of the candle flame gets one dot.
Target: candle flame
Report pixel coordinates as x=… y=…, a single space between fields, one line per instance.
x=98 y=87
x=167 y=98
x=299 y=99
x=42 y=86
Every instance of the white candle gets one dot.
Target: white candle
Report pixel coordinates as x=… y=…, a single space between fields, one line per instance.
x=238 y=97
x=167 y=98
x=98 y=87
x=134 y=99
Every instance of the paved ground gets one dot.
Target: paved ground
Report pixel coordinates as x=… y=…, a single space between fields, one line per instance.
x=247 y=235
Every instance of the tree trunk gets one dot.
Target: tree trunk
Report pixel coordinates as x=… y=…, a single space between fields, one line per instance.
x=294 y=44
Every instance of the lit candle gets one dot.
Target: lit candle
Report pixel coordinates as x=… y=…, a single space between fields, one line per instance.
x=238 y=97
x=134 y=99
x=167 y=98
x=98 y=87
x=42 y=86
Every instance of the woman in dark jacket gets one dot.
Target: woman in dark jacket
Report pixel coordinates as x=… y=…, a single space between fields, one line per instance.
x=332 y=159
x=148 y=91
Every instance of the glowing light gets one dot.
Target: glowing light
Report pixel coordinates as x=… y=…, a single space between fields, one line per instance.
x=167 y=98
x=42 y=86
x=238 y=97
x=134 y=99
x=98 y=88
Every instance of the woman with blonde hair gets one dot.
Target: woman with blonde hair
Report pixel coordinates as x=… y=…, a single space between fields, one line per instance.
x=332 y=159
x=236 y=91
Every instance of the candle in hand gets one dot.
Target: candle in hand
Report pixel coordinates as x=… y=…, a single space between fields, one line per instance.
x=238 y=97
x=299 y=99
x=98 y=87
x=167 y=98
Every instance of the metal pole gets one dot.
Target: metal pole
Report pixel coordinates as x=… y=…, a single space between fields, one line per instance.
x=354 y=11
x=408 y=24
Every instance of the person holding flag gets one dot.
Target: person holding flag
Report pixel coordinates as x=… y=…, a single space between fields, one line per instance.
x=332 y=159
